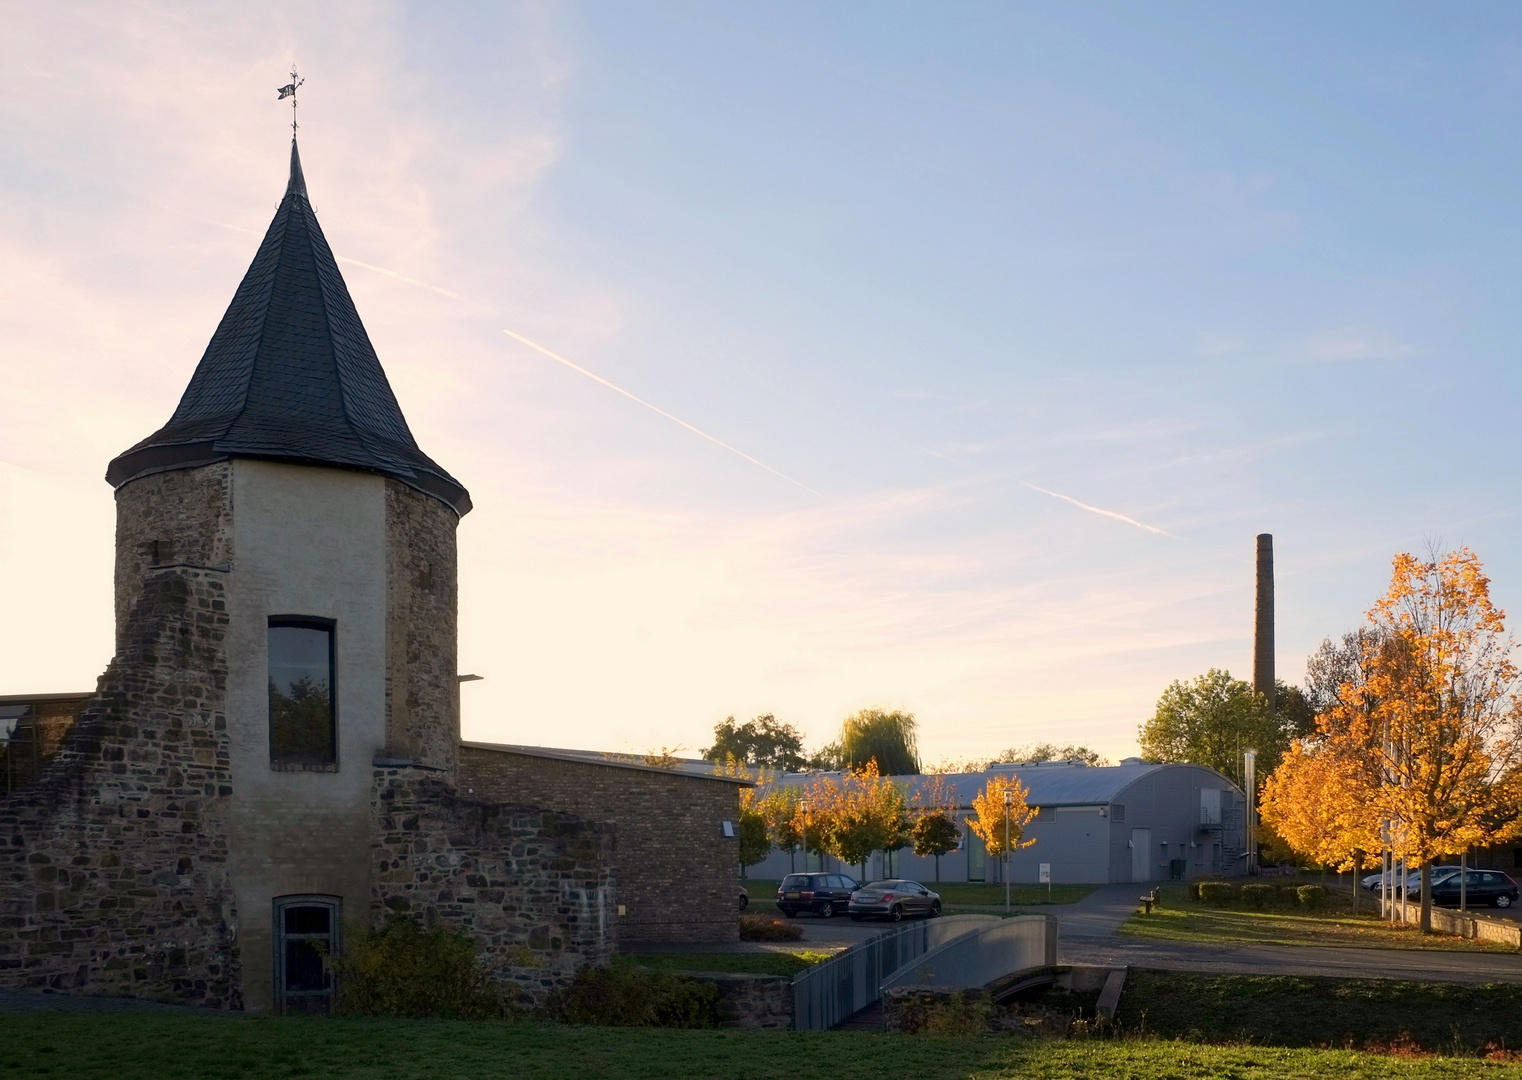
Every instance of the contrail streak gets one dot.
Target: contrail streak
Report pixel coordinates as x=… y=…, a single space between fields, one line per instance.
x=675 y=420
x=1097 y=510
x=400 y=277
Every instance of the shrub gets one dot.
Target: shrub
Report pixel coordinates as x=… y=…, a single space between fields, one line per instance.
x=402 y=969
x=623 y=995
x=1311 y=896
x=1215 y=892
x=960 y=1014
x=765 y=928
x=1257 y=896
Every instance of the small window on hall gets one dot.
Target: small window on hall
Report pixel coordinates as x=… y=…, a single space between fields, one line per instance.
x=303 y=692
x=306 y=934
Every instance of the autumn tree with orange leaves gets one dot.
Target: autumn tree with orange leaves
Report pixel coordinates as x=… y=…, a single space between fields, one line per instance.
x=1313 y=802
x=1425 y=739
x=990 y=816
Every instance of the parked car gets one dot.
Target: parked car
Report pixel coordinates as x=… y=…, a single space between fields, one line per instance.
x=1480 y=887
x=823 y=894
x=893 y=899
x=744 y=899
x=1413 y=878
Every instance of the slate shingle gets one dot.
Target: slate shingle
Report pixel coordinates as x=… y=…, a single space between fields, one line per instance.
x=290 y=374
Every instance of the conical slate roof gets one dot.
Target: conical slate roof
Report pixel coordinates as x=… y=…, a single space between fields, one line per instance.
x=290 y=374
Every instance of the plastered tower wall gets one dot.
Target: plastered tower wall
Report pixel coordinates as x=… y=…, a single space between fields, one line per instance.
x=310 y=542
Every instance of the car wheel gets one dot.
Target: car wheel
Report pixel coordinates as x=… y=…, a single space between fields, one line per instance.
x=897 y=914
x=1502 y=901
x=826 y=910
x=935 y=909
x=744 y=901
x=786 y=911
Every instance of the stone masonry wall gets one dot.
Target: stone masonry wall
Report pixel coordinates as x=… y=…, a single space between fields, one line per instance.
x=114 y=861
x=180 y=518
x=422 y=685
x=534 y=887
x=678 y=875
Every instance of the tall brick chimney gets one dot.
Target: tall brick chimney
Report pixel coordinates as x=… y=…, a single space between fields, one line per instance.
x=1263 y=623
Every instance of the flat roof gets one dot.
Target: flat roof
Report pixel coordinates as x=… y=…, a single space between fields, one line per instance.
x=43 y=699
x=691 y=768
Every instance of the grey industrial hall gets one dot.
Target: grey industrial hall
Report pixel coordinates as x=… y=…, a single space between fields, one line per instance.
x=1136 y=821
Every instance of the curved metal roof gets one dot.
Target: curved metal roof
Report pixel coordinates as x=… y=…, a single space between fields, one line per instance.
x=290 y=374
x=1049 y=783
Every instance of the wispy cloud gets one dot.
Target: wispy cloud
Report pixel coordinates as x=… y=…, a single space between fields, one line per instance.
x=1097 y=510
x=1354 y=344
x=662 y=412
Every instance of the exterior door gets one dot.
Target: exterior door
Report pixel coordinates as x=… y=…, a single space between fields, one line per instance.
x=977 y=857
x=1141 y=854
x=306 y=932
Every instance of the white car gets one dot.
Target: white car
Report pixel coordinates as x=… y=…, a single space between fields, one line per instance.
x=1413 y=879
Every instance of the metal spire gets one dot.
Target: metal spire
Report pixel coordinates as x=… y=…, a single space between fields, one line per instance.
x=289 y=91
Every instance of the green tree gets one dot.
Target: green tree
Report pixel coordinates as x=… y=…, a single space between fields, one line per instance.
x=887 y=738
x=1212 y=719
x=935 y=833
x=765 y=742
x=754 y=835
x=1051 y=752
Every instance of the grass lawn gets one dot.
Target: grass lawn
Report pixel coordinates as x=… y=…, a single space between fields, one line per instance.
x=1284 y=1010
x=1179 y=919
x=135 y=1046
x=767 y=963
x=960 y=893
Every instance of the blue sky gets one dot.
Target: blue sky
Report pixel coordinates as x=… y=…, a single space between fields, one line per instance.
x=1215 y=269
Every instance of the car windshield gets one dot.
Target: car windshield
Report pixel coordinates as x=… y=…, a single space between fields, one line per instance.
x=795 y=881
x=884 y=886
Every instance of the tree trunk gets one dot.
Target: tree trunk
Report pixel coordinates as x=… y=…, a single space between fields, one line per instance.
x=1426 y=923
x=1357 y=873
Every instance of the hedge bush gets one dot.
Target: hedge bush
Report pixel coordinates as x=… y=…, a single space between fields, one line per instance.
x=1214 y=892
x=1311 y=896
x=1257 y=896
x=623 y=995
x=401 y=969
x=765 y=928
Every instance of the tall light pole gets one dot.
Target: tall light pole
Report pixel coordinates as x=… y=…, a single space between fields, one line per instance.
x=1009 y=797
x=803 y=808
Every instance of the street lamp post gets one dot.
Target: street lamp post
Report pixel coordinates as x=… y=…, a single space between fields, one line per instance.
x=803 y=808
x=1009 y=797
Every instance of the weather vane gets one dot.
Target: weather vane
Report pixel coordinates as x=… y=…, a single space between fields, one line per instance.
x=289 y=91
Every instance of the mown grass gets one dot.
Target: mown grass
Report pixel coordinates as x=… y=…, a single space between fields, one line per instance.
x=1180 y=919
x=766 y=963
x=960 y=893
x=122 y=1046
x=1282 y=1010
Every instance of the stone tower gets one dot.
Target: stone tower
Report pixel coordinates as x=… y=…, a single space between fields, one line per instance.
x=272 y=753
x=289 y=472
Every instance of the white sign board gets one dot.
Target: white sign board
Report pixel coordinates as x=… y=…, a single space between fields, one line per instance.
x=1046 y=873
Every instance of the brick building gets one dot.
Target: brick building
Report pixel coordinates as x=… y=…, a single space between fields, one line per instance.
x=274 y=749
x=675 y=854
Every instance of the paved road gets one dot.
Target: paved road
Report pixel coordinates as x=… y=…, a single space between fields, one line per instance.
x=1089 y=937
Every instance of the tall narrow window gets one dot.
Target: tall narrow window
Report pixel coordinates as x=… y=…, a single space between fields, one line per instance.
x=306 y=932
x=303 y=693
